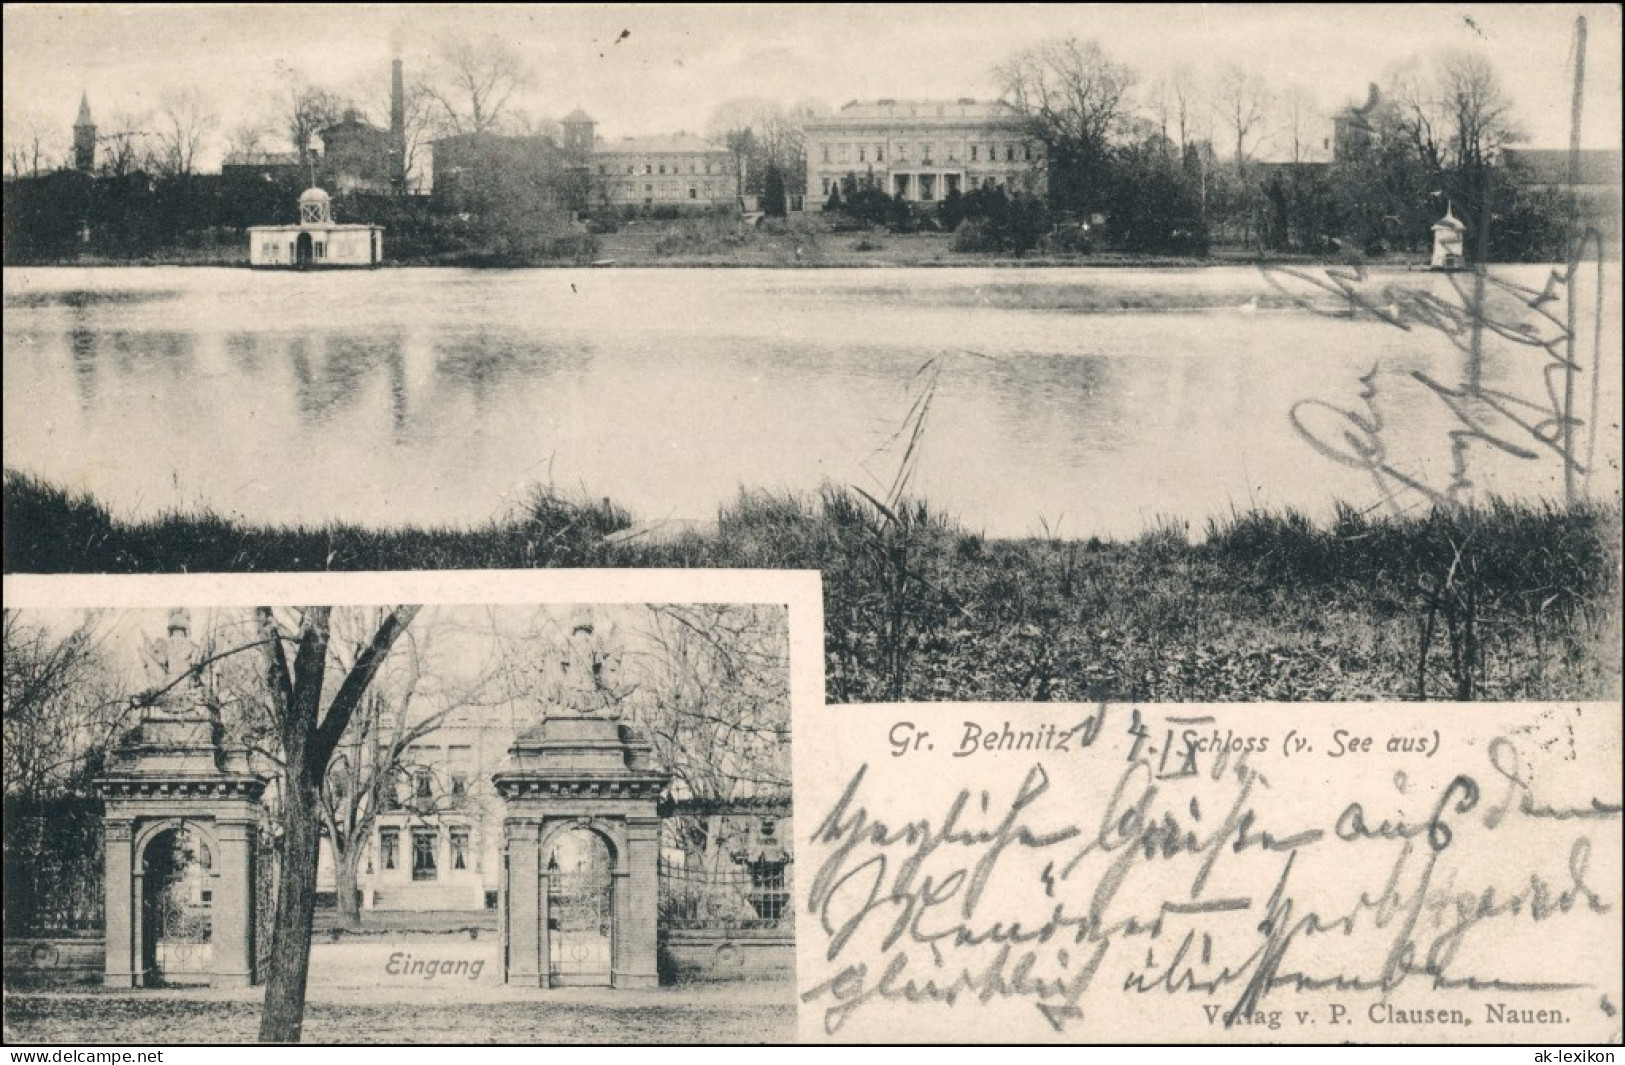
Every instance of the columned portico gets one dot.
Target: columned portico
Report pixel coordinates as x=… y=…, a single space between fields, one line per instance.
x=927 y=186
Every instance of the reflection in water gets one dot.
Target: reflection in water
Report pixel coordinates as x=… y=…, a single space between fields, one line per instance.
x=442 y=396
x=333 y=370
x=243 y=349
x=1074 y=402
x=133 y=359
x=82 y=348
x=481 y=362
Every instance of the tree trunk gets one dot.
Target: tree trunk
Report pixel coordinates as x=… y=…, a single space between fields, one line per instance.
x=344 y=883
x=282 y=1018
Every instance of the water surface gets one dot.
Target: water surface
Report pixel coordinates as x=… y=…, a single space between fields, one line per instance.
x=1090 y=401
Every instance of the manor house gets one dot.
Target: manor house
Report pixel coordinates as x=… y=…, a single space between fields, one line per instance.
x=923 y=150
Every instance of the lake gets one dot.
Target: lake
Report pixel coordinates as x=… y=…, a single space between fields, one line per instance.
x=1084 y=401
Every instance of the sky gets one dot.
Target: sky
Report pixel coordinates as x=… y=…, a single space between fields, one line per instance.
x=641 y=70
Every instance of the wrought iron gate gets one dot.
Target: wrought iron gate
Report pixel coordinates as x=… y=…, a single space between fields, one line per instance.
x=177 y=909
x=580 y=908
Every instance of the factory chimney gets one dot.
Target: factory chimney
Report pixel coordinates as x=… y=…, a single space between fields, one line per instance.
x=397 y=129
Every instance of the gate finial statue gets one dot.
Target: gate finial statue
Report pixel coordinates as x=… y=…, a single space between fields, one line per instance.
x=587 y=681
x=172 y=661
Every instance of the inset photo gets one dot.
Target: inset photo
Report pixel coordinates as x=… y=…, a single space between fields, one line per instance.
x=410 y=823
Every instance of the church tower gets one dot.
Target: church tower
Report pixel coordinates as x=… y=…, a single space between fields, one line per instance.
x=84 y=138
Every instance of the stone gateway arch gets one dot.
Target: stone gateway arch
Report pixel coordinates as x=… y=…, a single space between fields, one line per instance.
x=182 y=823
x=581 y=855
x=581 y=895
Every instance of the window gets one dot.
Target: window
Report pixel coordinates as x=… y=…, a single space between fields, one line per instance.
x=925 y=153
x=826 y=186
x=648 y=168
x=1027 y=152
x=860 y=153
x=973 y=153
x=459 y=848
x=1009 y=153
x=602 y=169
x=768 y=896
x=459 y=785
x=389 y=842
x=423 y=859
x=422 y=784
x=318 y=249
x=662 y=168
x=880 y=153
x=693 y=193
x=825 y=150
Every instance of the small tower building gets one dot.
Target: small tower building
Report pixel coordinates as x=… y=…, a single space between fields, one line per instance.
x=1449 y=242
x=317 y=241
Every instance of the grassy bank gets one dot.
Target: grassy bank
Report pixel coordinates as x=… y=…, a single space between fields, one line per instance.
x=1503 y=602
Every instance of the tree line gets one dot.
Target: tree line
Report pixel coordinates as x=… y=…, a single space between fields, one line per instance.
x=1172 y=163
x=1186 y=160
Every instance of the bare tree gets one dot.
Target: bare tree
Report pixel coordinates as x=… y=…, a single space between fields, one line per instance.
x=246 y=139
x=1158 y=105
x=304 y=110
x=124 y=144
x=475 y=81
x=1476 y=110
x=1074 y=99
x=185 y=121
x=764 y=133
x=712 y=690
x=376 y=765
x=1299 y=114
x=308 y=738
x=61 y=703
x=1243 y=102
x=33 y=144
x=1181 y=91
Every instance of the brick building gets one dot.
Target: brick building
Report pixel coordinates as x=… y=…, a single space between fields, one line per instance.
x=681 y=170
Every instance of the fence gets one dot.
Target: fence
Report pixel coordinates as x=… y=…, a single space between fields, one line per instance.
x=53 y=867
x=723 y=868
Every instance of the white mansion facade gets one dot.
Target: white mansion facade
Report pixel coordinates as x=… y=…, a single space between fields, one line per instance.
x=923 y=149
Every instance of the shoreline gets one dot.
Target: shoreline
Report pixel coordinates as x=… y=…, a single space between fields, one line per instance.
x=1025 y=263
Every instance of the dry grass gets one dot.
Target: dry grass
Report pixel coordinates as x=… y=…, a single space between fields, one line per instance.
x=1508 y=601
